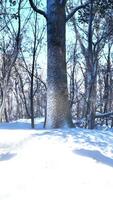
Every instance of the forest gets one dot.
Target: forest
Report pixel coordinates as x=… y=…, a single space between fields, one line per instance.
x=56 y=62
x=56 y=99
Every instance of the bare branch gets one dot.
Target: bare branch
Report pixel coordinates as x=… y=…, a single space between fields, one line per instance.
x=17 y=44
x=34 y=7
x=29 y=72
x=101 y=115
x=103 y=37
x=75 y=10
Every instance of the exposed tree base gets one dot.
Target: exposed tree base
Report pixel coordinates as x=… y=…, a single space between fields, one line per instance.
x=52 y=125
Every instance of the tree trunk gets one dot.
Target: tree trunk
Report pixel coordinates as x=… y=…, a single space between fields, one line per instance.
x=2 y=106
x=32 y=75
x=58 y=110
x=91 y=104
x=91 y=74
x=107 y=82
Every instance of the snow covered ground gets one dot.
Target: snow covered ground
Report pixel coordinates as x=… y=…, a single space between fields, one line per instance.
x=68 y=164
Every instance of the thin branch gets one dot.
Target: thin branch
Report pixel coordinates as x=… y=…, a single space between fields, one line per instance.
x=23 y=93
x=29 y=72
x=103 y=37
x=100 y=115
x=34 y=7
x=74 y=11
x=17 y=43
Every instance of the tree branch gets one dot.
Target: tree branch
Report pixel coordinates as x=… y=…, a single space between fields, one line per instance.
x=29 y=72
x=103 y=37
x=34 y=7
x=102 y=115
x=75 y=10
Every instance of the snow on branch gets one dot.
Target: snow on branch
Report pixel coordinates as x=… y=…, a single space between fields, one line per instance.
x=100 y=115
x=34 y=7
x=75 y=10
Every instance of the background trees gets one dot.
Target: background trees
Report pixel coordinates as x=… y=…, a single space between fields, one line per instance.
x=79 y=75
x=18 y=68
x=90 y=31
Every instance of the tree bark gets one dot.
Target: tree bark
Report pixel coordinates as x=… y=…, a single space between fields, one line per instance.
x=32 y=75
x=58 y=110
x=107 y=82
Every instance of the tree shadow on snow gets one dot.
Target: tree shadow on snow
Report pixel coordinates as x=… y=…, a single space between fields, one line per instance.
x=50 y=133
x=96 y=155
x=15 y=125
x=7 y=156
x=20 y=125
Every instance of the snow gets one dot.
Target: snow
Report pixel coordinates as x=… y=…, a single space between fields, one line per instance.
x=55 y=164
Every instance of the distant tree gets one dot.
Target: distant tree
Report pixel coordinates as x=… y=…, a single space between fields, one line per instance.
x=18 y=73
x=95 y=17
x=8 y=53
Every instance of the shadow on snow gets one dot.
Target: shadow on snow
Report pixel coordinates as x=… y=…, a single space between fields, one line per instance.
x=7 y=156
x=96 y=155
x=19 y=125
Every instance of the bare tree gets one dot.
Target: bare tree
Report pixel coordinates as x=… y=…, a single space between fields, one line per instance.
x=58 y=109
x=8 y=63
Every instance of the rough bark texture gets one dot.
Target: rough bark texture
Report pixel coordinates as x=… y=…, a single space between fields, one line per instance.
x=58 y=111
x=107 y=82
x=91 y=103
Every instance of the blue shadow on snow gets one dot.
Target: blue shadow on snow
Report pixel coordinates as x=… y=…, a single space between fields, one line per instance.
x=96 y=155
x=7 y=156
x=19 y=125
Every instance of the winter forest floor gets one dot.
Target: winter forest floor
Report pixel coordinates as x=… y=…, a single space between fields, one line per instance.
x=65 y=164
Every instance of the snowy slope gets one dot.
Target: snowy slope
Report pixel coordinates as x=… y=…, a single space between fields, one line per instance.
x=64 y=164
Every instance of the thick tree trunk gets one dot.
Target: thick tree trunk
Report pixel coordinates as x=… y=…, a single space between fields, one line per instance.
x=91 y=104
x=92 y=63
x=58 y=111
